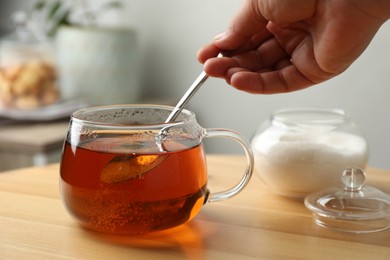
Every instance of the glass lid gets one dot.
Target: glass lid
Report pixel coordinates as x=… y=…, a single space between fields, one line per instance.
x=354 y=207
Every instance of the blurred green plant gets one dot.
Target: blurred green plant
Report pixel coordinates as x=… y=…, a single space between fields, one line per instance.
x=53 y=14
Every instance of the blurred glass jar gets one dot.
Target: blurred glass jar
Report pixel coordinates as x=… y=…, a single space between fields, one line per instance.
x=28 y=77
x=303 y=150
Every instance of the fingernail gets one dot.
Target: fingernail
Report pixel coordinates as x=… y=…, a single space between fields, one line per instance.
x=219 y=36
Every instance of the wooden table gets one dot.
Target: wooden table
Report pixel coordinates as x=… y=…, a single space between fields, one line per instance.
x=253 y=225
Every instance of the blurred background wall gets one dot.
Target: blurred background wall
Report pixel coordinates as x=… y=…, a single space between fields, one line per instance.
x=8 y=7
x=170 y=32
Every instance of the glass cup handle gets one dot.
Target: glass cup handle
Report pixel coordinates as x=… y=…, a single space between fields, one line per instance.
x=227 y=194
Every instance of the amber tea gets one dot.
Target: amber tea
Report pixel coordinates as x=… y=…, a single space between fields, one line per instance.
x=124 y=170
x=132 y=193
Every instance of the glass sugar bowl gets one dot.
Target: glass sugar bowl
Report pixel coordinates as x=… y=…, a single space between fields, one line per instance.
x=303 y=150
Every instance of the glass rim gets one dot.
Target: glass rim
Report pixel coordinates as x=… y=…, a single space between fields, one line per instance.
x=333 y=115
x=188 y=115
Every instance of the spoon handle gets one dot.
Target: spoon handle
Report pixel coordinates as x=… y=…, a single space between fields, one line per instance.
x=187 y=96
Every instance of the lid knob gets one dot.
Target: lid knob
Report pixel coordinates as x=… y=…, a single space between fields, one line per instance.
x=353 y=179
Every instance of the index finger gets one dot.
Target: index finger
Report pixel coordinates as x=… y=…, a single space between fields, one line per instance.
x=287 y=79
x=207 y=52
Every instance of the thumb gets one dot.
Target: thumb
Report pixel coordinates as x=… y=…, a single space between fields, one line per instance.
x=251 y=20
x=245 y=24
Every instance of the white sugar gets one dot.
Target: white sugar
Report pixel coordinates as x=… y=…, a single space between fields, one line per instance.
x=295 y=164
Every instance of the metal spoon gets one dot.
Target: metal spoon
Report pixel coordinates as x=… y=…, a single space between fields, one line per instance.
x=123 y=168
x=187 y=96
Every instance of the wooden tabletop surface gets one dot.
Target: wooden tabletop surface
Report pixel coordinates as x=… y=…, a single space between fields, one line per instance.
x=253 y=225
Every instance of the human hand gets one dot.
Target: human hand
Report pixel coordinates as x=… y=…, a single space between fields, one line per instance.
x=278 y=46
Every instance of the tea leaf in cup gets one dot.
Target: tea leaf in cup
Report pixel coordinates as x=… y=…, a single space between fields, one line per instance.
x=124 y=168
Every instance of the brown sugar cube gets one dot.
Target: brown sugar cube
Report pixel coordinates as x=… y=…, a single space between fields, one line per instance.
x=5 y=90
x=26 y=102
x=13 y=72
x=49 y=71
x=5 y=94
x=3 y=78
x=42 y=67
x=37 y=66
x=50 y=94
x=27 y=83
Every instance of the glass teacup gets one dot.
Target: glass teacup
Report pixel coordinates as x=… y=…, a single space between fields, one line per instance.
x=123 y=170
